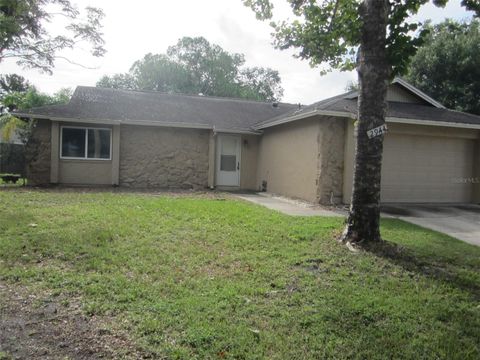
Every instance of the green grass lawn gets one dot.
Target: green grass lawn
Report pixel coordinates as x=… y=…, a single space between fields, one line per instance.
x=208 y=278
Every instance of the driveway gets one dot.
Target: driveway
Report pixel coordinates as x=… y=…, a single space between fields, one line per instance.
x=459 y=221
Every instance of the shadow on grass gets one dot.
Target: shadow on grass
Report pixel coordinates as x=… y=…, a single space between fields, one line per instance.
x=438 y=268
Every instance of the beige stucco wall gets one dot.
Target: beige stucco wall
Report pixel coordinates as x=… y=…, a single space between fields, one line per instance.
x=349 y=158
x=288 y=159
x=476 y=179
x=304 y=159
x=406 y=129
x=84 y=172
x=248 y=166
x=38 y=154
x=399 y=94
x=164 y=157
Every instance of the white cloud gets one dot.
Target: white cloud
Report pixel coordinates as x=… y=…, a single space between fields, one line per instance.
x=134 y=29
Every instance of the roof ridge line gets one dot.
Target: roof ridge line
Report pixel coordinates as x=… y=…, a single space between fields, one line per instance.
x=223 y=98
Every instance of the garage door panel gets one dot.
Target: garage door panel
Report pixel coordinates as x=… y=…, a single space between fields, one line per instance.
x=426 y=169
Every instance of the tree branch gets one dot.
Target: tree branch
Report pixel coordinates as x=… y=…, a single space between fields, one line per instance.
x=75 y=63
x=333 y=15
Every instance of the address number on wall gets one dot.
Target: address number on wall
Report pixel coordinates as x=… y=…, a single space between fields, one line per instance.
x=377 y=131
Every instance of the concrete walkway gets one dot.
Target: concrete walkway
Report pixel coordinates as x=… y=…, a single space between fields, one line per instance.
x=458 y=221
x=289 y=206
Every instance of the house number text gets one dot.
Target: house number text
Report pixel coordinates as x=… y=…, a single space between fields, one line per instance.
x=377 y=131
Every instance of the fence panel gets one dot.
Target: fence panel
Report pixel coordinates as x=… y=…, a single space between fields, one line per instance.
x=12 y=159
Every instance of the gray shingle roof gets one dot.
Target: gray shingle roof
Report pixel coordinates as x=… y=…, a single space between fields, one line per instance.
x=100 y=104
x=345 y=104
x=92 y=103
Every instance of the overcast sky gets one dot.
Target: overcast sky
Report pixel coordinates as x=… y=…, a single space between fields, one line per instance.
x=135 y=28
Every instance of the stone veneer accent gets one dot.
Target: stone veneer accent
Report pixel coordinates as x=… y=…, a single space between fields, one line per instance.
x=37 y=154
x=331 y=141
x=161 y=157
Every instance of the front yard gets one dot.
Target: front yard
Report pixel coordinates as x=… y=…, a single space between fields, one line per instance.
x=206 y=276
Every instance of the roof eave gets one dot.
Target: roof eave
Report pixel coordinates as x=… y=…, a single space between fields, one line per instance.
x=236 y=131
x=390 y=119
x=393 y=119
x=65 y=119
x=304 y=116
x=141 y=123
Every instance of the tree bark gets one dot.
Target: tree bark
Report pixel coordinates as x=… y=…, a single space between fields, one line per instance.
x=363 y=223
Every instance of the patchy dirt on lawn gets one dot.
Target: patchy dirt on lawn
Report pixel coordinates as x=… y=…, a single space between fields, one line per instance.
x=43 y=326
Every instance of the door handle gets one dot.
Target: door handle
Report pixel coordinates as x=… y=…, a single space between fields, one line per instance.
x=238 y=165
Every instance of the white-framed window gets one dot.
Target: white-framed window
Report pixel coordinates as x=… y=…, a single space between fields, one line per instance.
x=85 y=143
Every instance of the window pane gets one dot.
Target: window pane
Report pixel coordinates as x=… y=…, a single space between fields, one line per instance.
x=73 y=142
x=228 y=163
x=98 y=144
x=229 y=146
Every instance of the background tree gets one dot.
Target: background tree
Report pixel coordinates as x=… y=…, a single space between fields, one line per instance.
x=447 y=66
x=262 y=83
x=377 y=37
x=160 y=73
x=23 y=35
x=118 y=81
x=351 y=86
x=13 y=127
x=24 y=100
x=12 y=82
x=194 y=66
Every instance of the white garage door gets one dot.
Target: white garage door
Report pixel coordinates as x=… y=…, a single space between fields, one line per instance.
x=427 y=169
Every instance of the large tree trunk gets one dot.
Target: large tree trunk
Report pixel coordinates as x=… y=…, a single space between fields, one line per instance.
x=363 y=223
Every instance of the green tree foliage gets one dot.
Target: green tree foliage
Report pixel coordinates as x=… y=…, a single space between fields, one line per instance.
x=447 y=66
x=118 y=81
x=24 y=37
x=329 y=31
x=378 y=38
x=12 y=82
x=262 y=83
x=24 y=100
x=194 y=66
x=160 y=73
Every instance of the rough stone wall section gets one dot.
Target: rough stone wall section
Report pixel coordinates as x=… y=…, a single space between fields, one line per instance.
x=331 y=160
x=37 y=154
x=161 y=157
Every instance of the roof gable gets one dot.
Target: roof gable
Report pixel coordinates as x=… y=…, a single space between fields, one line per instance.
x=402 y=91
x=426 y=111
x=397 y=93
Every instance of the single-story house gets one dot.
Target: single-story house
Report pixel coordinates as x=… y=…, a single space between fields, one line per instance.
x=157 y=140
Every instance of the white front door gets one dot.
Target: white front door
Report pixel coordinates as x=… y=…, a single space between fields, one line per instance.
x=228 y=160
